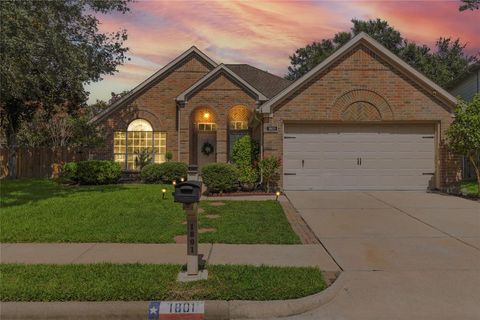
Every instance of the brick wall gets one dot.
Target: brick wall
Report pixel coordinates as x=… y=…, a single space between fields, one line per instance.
x=157 y=105
x=363 y=76
x=220 y=95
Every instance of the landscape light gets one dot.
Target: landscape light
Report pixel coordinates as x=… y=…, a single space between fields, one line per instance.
x=163 y=193
x=277 y=194
x=174 y=182
x=182 y=179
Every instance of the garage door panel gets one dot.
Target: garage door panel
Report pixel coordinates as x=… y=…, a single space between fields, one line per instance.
x=393 y=157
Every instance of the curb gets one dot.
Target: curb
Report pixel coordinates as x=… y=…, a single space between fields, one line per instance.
x=214 y=309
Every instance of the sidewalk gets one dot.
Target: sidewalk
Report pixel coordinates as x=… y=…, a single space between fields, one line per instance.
x=83 y=253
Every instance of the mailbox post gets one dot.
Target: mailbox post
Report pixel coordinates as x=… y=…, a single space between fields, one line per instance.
x=189 y=193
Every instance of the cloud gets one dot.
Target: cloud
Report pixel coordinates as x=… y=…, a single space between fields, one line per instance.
x=265 y=33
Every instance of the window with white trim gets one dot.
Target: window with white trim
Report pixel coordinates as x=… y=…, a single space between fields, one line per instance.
x=138 y=138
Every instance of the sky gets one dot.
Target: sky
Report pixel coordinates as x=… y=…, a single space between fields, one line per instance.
x=264 y=33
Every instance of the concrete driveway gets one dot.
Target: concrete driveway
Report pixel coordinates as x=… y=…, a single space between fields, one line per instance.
x=405 y=255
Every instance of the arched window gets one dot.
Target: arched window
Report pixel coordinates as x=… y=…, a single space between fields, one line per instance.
x=137 y=140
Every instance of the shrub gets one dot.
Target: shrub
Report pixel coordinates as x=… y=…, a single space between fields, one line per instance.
x=163 y=173
x=269 y=170
x=245 y=151
x=169 y=155
x=98 y=172
x=247 y=174
x=220 y=177
x=69 y=172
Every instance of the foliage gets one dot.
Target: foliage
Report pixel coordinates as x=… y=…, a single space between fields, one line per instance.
x=59 y=129
x=247 y=174
x=220 y=177
x=245 y=151
x=469 y=5
x=50 y=50
x=470 y=188
x=69 y=171
x=164 y=173
x=169 y=155
x=143 y=157
x=443 y=66
x=464 y=133
x=269 y=170
x=91 y=172
x=107 y=281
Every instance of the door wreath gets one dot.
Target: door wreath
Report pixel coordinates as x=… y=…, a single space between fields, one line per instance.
x=207 y=148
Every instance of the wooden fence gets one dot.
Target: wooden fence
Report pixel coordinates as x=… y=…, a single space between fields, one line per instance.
x=41 y=162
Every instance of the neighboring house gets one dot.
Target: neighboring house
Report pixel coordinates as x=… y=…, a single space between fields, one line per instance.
x=362 y=119
x=465 y=88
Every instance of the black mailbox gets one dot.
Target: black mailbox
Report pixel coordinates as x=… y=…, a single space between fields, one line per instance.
x=187 y=192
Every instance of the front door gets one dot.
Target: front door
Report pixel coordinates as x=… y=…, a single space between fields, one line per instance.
x=206 y=147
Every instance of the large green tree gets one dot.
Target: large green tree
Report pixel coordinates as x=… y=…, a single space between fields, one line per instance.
x=49 y=50
x=464 y=133
x=448 y=62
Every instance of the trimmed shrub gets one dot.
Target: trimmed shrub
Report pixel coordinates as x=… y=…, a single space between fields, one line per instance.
x=69 y=172
x=247 y=174
x=98 y=172
x=245 y=151
x=220 y=177
x=164 y=173
x=269 y=170
x=169 y=155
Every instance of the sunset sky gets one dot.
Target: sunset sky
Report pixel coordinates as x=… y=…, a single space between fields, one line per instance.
x=262 y=33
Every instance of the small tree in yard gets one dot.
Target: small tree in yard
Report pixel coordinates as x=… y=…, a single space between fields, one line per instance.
x=269 y=170
x=464 y=133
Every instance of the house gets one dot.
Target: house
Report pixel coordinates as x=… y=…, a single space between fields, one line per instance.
x=362 y=119
x=466 y=87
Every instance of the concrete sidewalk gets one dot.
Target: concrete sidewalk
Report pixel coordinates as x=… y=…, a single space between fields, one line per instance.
x=83 y=253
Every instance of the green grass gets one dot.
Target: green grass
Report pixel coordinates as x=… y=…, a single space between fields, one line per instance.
x=103 y=282
x=470 y=188
x=44 y=211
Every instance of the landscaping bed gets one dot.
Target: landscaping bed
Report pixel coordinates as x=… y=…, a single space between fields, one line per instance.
x=127 y=282
x=45 y=211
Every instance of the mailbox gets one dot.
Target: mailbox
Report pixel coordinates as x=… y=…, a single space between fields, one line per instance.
x=188 y=192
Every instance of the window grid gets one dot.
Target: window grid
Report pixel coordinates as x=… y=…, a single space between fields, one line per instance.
x=207 y=126
x=126 y=144
x=238 y=125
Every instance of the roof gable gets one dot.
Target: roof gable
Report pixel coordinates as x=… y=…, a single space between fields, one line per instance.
x=220 y=69
x=146 y=84
x=390 y=57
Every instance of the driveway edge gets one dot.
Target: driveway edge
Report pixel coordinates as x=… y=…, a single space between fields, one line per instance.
x=214 y=309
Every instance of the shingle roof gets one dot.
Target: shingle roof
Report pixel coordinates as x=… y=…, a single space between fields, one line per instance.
x=265 y=82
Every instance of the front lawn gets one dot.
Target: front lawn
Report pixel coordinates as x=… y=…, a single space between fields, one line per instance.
x=44 y=211
x=470 y=188
x=104 y=282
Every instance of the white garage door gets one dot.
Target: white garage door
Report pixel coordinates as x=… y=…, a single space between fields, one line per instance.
x=358 y=157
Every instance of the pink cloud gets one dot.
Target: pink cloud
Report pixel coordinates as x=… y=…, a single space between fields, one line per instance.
x=265 y=33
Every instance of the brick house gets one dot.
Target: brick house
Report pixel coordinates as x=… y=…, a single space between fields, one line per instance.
x=362 y=119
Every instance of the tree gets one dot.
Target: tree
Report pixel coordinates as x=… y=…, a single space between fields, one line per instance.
x=49 y=51
x=446 y=64
x=469 y=5
x=464 y=133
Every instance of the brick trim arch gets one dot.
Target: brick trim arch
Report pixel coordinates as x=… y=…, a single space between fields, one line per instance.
x=133 y=113
x=366 y=102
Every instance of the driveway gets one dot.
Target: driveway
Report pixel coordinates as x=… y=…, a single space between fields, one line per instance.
x=405 y=255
